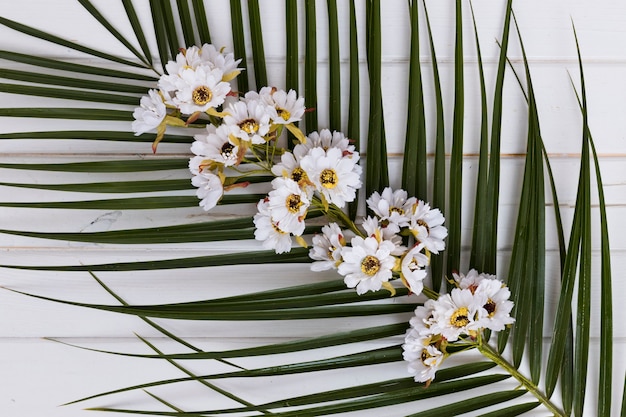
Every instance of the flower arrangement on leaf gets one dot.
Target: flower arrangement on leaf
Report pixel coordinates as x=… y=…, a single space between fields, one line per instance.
x=241 y=137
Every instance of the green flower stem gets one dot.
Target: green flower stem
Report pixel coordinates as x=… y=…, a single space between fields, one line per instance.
x=337 y=214
x=430 y=293
x=492 y=354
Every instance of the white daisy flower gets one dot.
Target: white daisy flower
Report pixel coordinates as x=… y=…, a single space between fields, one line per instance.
x=249 y=121
x=335 y=177
x=325 y=139
x=287 y=107
x=414 y=268
x=426 y=225
x=367 y=264
x=471 y=280
x=210 y=189
x=208 y=57
x=288 y=205
x=198 y=164
x=214 y=58
x=392 y=207
x=216 y=145
x=289 y=167
x=424 y=359
x=423 y=318
x=327 y=248
x=150 y=113
x=196 y=90
x=456 y=314
x=268 y=231
x=495 y=314
x=372 y=228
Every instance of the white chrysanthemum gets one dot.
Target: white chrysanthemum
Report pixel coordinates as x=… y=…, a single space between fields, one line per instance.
x=195 y=90
x=392 y=207
x=414 y=266
x=210 y=189
x=268 y=232
x=336 y=177
x=198 y=164
x=216 y=146
x=424 y=359
x=327 y=248
x=367 y=264
x=288 y=205
x=289 y=167
x=208 y=57
x=426 y=225
x=456 y=314
x=149 y=114
x=423 y=318
x=287 y=107
x=471 y=280
x=249 y=121
x=326 y=140
x=495 y=314
x=372 y=228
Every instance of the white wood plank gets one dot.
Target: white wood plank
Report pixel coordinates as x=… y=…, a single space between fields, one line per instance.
x=58 y=374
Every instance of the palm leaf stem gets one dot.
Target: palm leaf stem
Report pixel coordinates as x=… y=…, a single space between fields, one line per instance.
x=493 y=355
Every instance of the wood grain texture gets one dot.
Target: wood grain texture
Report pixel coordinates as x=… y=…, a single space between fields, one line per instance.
x=38 y=375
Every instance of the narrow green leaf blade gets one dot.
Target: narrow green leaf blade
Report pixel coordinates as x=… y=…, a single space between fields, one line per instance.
x=310 y=67
x=28 y=30
x=201 y=21
x=258 y=52
x=104 y=22
x=334 y=103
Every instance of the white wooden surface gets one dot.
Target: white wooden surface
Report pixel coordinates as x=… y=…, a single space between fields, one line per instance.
x=37 y=375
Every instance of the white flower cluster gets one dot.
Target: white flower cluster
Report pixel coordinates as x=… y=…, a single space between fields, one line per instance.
x=370 y=261
x=196 y=84
x=324 y=169
x=478 y=302
x=198 y=80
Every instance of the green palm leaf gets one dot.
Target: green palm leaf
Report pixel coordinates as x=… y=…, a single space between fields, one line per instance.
x=123 y=85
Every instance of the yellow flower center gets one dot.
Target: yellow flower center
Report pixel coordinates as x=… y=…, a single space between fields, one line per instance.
x=293 y=203
x=424 y=224
x=299 y=175
x=425 y=356
x=202 y=95
x=370 y=265
x=328 y=178
x=397 y=210
x=250 y=126
x=460 y=317
x=283 y=113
